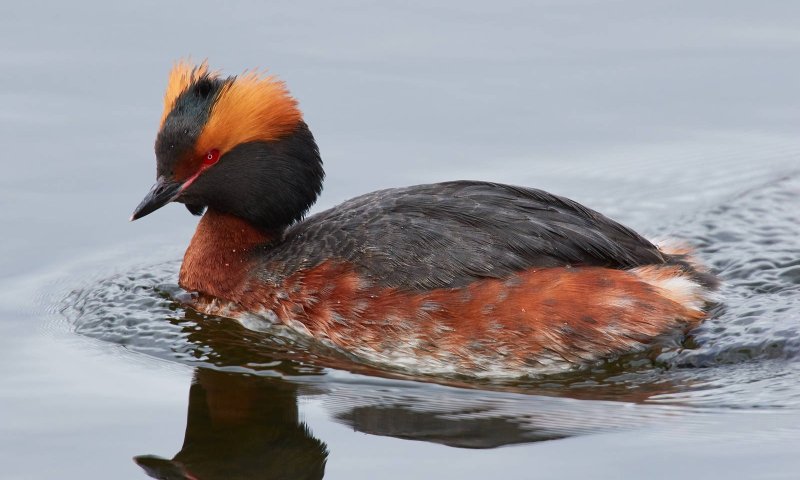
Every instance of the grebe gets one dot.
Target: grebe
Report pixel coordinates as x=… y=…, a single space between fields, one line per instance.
x=465 y=277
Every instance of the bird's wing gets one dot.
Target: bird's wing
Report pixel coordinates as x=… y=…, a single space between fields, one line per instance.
x=449 y=234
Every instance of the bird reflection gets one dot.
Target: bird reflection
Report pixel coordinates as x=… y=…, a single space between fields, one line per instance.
x=243 y=420
x=242 y=427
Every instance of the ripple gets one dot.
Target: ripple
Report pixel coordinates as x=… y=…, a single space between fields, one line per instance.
x=753 y=242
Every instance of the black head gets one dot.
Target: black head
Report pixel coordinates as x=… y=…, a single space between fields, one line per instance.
x=237 y=145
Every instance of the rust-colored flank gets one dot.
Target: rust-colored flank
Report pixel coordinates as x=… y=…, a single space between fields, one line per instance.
x=537 y=319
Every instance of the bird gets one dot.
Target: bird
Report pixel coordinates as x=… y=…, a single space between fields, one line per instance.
x=461 y=278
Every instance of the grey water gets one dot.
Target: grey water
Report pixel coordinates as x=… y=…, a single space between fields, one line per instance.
x=679 y=119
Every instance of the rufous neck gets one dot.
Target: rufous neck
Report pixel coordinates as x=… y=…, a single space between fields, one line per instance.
x=220 y=254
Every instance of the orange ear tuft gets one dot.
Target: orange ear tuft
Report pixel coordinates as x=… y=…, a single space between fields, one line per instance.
x=252 y=107
x=182 y=75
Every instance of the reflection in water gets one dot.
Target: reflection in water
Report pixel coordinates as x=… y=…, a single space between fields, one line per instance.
x=242 y=427
x=245 y=426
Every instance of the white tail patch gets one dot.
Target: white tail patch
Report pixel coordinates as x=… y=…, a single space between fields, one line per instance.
x=676 y=285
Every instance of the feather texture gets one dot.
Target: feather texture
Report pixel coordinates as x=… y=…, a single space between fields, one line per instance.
x=449 y=234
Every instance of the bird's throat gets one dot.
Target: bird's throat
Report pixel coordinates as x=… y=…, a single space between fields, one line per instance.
x=220 y=255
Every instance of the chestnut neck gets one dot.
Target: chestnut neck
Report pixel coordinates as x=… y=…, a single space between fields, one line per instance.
x=219 y=256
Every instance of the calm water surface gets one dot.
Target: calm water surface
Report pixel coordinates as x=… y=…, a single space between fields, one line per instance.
x=678 y=119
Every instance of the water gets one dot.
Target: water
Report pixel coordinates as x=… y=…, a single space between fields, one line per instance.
x=679 y=120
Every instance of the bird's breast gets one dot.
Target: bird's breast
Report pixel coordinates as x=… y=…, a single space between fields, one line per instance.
x=220 y=256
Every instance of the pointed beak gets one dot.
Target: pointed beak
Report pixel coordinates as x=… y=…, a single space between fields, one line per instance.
x=164 y=191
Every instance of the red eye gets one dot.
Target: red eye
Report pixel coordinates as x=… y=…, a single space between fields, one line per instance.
x=211 y=158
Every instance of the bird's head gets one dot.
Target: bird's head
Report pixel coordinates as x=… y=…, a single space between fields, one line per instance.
x=237 y=145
